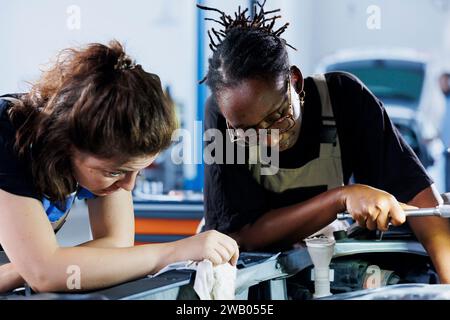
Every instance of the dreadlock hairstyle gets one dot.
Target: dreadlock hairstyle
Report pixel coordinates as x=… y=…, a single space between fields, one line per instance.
x=246 y=47
x=97 y=100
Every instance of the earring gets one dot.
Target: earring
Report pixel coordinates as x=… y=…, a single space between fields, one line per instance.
x=302 y=96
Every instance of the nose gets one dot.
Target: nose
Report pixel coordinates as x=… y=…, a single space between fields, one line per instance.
x=128 y=182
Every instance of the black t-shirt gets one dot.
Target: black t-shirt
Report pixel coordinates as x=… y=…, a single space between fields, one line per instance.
x=16 y=176
x=372 y=152
x=15 y=173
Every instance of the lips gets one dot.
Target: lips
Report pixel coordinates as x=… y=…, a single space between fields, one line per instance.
x=285 y=142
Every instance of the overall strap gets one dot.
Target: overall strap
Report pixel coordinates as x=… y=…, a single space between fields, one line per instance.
x=327 y=109
x=328 y=133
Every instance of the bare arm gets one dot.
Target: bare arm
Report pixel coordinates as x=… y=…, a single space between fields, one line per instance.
x=371 y=207
x=112 y=221
x=112 y=225
x=291 y=224
x=29 y=241
x=10 y=279
x=433 y=232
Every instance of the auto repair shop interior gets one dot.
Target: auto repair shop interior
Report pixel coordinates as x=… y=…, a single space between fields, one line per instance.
x=225 y=150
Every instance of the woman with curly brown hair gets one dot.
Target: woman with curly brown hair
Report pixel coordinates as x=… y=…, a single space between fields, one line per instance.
x=85 y=130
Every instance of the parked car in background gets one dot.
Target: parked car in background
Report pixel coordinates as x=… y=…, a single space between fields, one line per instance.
x=406 y=82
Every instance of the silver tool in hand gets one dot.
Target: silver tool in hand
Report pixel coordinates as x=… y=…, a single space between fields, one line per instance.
x=442 y=211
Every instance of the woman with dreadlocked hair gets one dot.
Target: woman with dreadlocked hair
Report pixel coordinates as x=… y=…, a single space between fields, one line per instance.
x=85 y=130
x=331 y=130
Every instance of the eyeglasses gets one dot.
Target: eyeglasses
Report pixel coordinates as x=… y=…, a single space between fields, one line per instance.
x=282 y=124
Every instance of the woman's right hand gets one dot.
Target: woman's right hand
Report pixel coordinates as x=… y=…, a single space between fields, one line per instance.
x=373 y=208
x=210 y=245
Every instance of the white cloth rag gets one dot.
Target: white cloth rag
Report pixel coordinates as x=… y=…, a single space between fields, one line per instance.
x=211 y=283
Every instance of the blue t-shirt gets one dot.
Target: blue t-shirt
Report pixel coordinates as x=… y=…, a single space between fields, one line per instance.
x=56 y=210
x=16 y=177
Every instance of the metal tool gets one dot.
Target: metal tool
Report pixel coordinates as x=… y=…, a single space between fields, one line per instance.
x=442 y=211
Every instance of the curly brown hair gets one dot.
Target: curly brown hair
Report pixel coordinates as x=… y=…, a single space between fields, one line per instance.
x=94 y=99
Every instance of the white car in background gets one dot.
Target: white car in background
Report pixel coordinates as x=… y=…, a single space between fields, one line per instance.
x=406 y=81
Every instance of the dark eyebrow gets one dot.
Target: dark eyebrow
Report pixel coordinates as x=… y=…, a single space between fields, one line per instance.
x=127 y=170
x=111 y=169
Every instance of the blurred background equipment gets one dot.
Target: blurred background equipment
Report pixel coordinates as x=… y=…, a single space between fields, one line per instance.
x=405 y=81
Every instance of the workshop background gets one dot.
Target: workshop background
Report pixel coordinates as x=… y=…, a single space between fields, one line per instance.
x=378 y=40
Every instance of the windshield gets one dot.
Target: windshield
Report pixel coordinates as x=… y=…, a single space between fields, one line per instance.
x=392 y=81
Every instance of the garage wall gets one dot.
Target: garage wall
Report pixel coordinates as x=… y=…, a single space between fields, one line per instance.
x=320 y=27
x=160 y=34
